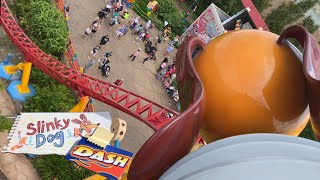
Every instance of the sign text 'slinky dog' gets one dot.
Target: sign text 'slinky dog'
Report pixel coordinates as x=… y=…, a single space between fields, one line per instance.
x=52 y=133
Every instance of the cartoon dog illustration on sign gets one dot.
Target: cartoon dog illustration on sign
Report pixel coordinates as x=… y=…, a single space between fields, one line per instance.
x=85 y=125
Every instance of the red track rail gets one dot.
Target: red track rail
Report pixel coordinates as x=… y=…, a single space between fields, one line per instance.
x=255 y=15
x=151 y=113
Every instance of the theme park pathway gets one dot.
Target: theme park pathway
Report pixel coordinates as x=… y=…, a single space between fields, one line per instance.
x=137 y=78
x=12 y=166
x=15 y=166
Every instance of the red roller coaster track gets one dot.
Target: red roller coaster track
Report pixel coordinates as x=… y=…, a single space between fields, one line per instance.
x=255 y=15
x=151 y=113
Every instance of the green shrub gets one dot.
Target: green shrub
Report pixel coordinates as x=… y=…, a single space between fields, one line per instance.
x=40 y=79
x=51 y=96
x=139 y=7
x=287 y=14
x=57 y=167
x=166 y=11
x=261 y=5
x=309 y=24
x=2 y=87
x=307 y=132
x=230 y=7
x=54 y=98
x=5 y=124
x=44 y=24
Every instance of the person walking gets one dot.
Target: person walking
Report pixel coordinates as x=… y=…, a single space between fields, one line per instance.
x=95 y=27
x=137 y=29
x=135 y=22
x=108 y=54
x=94 y=51
x=148 y=25
x=169 y=49
x=90 y=63
x=104 y=40
x=140 y=37
x=87 y=31
x=146 y=59
x=125 y=14
x=150 y=56
x=163 y=64
x=113 y=21
x=135 y=54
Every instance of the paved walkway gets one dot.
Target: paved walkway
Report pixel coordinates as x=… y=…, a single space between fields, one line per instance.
x=7 y=108
x=14 y=167
x=2 y=176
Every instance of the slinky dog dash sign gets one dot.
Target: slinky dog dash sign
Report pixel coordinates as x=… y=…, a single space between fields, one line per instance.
x=52 y=133
x=110 y=162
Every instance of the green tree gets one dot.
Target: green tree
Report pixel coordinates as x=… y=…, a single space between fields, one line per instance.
x=261 y=5
x=287 y=14
x=309 y=24
x=44 y=24
x=167 y=10
x=231 y=7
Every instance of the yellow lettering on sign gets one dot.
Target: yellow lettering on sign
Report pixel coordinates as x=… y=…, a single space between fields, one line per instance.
x=83 y=151
x=110 y=158
x=121 y=161
x=98 y=156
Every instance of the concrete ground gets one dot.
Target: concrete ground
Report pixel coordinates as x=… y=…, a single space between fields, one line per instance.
x=15 y=166
x=137 y=78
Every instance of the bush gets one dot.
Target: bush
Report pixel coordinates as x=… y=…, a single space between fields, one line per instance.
x=57 y=167
x=5 y=124
x=44 y=24
x=166 y=11
x=40 y=79
x=287 y=14
x=309 y=24
x=54 y=98
x=261 y=5
x=50 y=95
x=230 y=7
x=308 y=132
x=2 y=87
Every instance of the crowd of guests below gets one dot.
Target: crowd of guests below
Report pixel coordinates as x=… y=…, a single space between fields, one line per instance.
x=113 y=13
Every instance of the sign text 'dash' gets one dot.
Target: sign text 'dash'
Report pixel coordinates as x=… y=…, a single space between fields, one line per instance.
x=110 y=161
x=101 y=156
